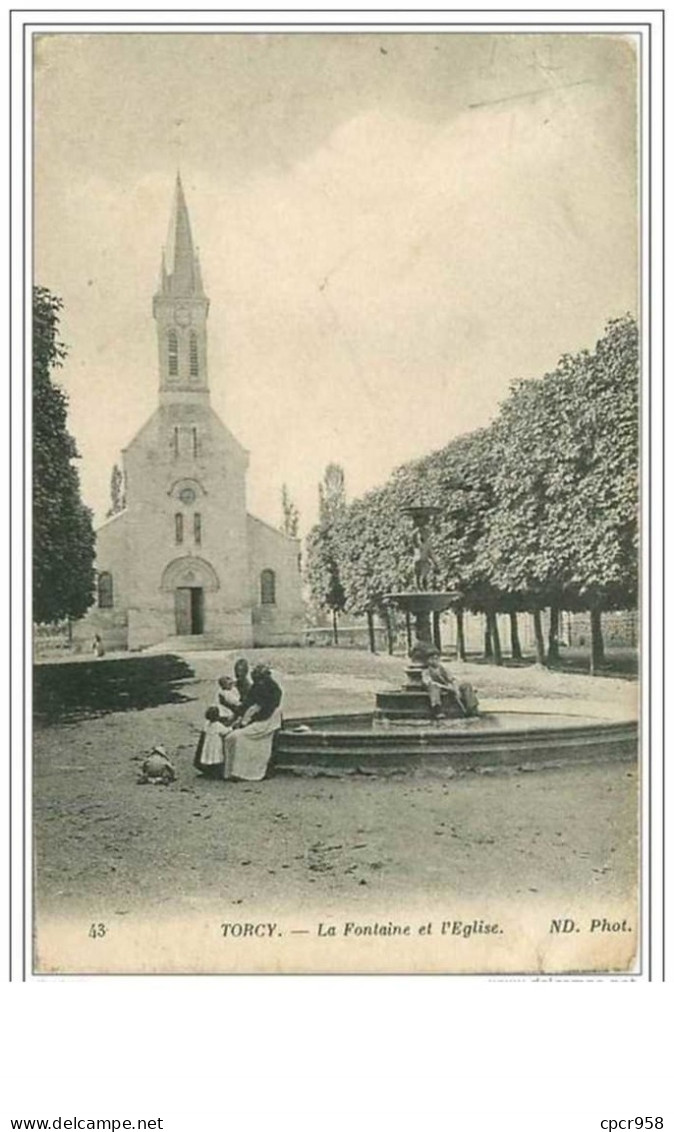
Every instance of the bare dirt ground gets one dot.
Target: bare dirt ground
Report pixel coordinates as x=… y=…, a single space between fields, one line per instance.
x=106 y=846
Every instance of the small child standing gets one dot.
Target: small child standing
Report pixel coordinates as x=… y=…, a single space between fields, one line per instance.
x=209 y=756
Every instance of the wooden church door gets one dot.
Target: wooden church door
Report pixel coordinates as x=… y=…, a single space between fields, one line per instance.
x=189 y=608
x=197 y=610
x=183 y=607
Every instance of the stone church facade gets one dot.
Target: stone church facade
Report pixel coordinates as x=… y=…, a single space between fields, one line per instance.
x=184 y=563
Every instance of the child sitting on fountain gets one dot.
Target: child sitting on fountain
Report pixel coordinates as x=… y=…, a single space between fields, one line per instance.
x=437 y=679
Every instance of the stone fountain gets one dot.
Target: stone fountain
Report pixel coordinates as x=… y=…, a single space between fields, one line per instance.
x=411 y=701
x=400 y=734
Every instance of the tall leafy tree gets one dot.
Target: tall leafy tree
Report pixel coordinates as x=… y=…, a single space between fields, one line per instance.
x=564 y=529
x=63 y=535
x=371 y=541
x=538 y=511
x=374 y=556
x=291 y=515
x=117 y=493
x=331 y=494
x=322 y=546
x=374 y=534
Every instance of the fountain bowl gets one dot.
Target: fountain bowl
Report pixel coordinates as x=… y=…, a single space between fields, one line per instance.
x=422 y=601
x=528 y=739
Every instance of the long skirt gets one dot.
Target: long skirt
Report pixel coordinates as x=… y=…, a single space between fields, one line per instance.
x=209 y=757
x=248 y=750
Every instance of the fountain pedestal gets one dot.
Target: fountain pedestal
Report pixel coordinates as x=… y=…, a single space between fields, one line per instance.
x=411 y=701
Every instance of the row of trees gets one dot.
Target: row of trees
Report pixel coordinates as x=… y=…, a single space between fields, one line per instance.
x=537 y=511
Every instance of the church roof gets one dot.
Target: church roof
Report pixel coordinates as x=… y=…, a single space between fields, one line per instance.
x=274 y=530
x=181 y=275
x=110 y=519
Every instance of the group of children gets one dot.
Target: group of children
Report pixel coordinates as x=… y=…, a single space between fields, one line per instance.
x=237 y=738
x=231 y=696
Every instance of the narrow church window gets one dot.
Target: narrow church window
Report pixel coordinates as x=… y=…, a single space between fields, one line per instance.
x=176 y=442
x=105 y=590
x=194 y=355
x=268 y=587
x=172 y=353
x=197 y=528
x=195 y=441
x=179 y=527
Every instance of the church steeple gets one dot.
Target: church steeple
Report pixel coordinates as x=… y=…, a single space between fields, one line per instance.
x=181 y=261
x=180 y=308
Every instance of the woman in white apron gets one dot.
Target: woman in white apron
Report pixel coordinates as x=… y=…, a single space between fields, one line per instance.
x=248 y=746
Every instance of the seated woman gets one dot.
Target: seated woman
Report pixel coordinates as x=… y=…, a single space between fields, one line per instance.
x=438 y=681
x=248 y=745
x=241 y=678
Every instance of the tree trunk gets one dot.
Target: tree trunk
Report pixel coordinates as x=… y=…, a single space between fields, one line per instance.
x=389 y=632
x=597 y=656
x=408 y=631
x=538 y=635
x=370 y=631
x=335 y=630
x=437 y=633
x=460 y=636
x=553 y=636
x=495 y=638
x=488 y=646
x=515 y=646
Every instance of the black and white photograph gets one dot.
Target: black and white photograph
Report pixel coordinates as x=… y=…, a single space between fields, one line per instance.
x=337 y=517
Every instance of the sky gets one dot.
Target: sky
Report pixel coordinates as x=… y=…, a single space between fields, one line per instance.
x=392 y=229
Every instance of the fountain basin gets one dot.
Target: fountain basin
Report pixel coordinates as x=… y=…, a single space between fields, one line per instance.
x=417 y=601
x=493 y=739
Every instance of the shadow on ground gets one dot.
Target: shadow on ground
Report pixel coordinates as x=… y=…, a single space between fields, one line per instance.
x=70 y=692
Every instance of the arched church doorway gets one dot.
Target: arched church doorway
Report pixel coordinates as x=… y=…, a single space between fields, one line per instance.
x=190 y=579
x=189 y=611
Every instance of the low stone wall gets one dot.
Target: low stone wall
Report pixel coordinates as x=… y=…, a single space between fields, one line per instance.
x=349 y=637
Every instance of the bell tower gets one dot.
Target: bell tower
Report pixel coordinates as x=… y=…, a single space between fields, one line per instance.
x=180 y=310
x=185 y=558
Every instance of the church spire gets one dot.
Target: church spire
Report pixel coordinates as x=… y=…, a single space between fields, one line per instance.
x=180 y=308
x=183 y=278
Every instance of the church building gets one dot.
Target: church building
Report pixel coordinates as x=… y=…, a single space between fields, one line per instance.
x=184 y=563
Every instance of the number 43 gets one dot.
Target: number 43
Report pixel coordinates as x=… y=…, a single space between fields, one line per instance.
x=97 y=931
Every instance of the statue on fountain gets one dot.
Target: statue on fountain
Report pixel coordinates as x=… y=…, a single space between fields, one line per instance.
x=424 y=558
x=430 y=690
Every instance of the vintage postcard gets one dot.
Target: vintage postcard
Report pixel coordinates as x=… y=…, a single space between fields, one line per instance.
x=339 y=409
